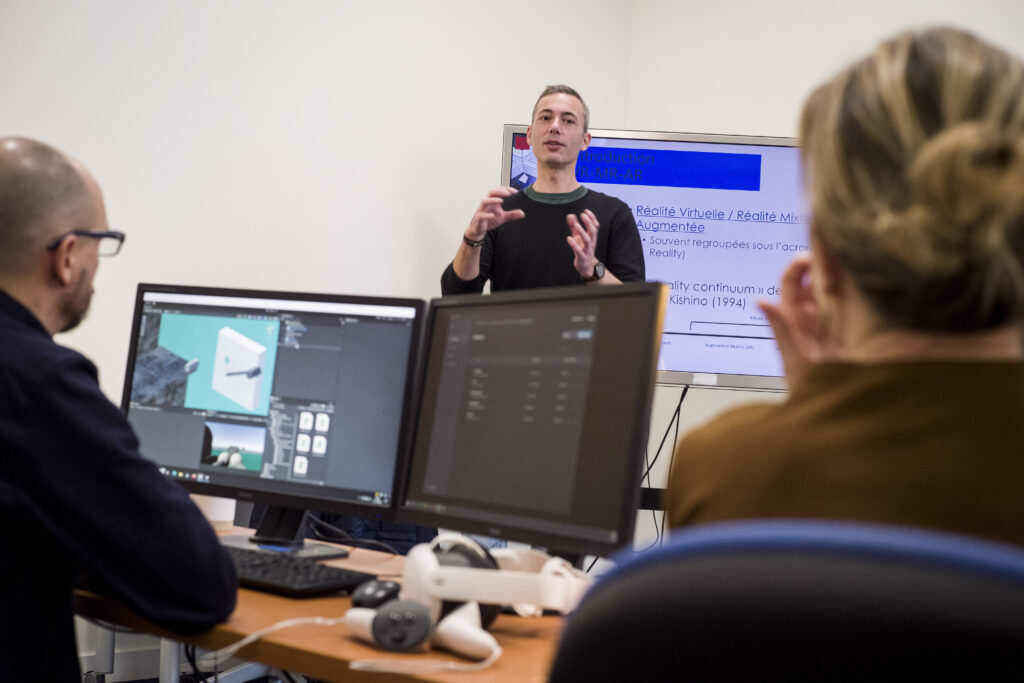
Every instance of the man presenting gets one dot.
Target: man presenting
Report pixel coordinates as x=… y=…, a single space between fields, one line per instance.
x=79 y=504
x=555 y=232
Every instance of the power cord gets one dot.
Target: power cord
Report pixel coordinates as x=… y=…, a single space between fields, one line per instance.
x=228 y=651
x=659 y=526
x=674 y=422
x=673 y=427
x=380 y=665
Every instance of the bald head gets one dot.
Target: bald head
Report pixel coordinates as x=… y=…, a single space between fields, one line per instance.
x=43 y=194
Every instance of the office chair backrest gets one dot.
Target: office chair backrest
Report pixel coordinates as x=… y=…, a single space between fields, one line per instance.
x=801 y=600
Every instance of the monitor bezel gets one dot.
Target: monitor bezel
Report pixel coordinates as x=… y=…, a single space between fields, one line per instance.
x=294 y=500
x=676 y=377
x=628 y=490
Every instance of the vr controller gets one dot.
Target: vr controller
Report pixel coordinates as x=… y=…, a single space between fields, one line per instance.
x=404 y=625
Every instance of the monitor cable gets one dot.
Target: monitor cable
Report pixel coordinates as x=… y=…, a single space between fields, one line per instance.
x=197 y=674
x=344 y=538
x=673 y=428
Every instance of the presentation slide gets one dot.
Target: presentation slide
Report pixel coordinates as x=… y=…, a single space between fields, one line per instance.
x=719 y=223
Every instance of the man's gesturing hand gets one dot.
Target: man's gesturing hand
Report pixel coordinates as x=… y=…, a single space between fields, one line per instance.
x=490 y=215
x=583 y=240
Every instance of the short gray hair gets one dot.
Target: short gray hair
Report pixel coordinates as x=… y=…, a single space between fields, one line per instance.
x=566 y=90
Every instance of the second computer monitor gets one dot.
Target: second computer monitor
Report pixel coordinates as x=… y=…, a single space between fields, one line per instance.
x=297 y=400
x=533 y=415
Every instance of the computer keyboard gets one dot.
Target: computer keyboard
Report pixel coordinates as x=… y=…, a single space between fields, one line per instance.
x=296 y=577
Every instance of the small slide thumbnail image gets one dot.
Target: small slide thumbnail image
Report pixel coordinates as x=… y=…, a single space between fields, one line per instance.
x=238 y=447
x=232 y=360
x=524 y=165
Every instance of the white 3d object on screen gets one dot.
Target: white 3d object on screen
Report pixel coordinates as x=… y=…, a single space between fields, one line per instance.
x=238 y=368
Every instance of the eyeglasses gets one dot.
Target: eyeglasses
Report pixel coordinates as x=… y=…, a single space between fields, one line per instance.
x=108 y=247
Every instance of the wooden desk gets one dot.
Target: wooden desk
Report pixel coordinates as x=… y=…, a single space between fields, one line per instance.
x=324 y=652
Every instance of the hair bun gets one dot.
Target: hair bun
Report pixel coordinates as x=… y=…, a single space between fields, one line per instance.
x=966 y=188
x=915 y=156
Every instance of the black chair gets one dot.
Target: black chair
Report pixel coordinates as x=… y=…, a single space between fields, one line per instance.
x=802 y=600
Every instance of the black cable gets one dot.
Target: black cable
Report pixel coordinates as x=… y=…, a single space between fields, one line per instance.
x=190 y=655
x=344 y=538
x=675 y=444
x=674 y=421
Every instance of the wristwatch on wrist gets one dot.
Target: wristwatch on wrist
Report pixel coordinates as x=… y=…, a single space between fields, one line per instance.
x=598 y=273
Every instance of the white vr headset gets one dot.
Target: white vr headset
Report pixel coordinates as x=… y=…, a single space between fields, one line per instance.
x=529 y=580
x=439 y=601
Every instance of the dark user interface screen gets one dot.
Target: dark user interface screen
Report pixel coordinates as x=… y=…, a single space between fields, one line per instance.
x=526 y=423
x=286 y=396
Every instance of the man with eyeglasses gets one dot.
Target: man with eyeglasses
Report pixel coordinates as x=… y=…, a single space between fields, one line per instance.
x=78 y=502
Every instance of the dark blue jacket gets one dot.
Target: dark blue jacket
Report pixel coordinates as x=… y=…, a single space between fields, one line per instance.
x=78 y=504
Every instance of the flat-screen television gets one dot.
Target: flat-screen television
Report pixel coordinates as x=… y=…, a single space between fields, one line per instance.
x=533 y=413
x=720 y=217
x=300 y=401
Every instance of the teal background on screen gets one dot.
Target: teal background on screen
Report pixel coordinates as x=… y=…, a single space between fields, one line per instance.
x=195 y=336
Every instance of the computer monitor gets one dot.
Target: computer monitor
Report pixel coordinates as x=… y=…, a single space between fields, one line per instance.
x=533 y=415
x=295 y=400
x=720 y=217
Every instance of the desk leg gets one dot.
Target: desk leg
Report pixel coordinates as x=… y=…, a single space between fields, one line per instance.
x=103 y=655
x=170 y=661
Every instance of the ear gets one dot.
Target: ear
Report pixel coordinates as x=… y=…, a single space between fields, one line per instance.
x=62 y=260
x=586 y=141
x=529 y=134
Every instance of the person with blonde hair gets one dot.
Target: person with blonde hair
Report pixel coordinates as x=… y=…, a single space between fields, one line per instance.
x=901 y=331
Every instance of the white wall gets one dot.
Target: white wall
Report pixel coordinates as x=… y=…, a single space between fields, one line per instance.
x=744 y=67
x=319 y=146
x=326 y=145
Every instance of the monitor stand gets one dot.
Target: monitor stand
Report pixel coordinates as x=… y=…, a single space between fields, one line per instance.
x=281 y=530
